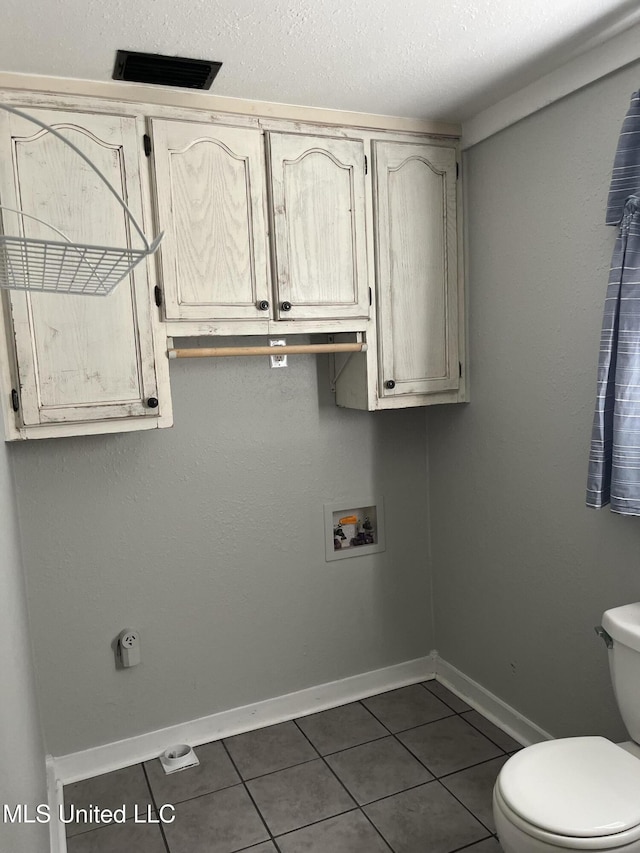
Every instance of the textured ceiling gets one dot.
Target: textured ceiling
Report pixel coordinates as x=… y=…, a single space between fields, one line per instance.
x=438 y=59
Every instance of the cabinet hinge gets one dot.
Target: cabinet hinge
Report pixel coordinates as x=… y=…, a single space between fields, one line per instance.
x=457 y=170
x=366 y=165
x=15 y=400
x=146 y=139
x=370 y=297
x=157 y=292
x=460 y=369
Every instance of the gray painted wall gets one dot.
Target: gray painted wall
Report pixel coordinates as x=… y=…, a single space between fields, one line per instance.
x=23 y=772
x=522 y=570
x=209 y=539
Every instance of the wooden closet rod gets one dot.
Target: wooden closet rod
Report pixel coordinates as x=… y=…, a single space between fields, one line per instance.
x=290 y=349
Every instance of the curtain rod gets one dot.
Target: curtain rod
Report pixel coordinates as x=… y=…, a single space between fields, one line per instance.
x=292 y=349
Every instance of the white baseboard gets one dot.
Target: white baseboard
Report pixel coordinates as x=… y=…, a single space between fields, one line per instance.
x=113 y=756
x=57 y=838
x=498 y=712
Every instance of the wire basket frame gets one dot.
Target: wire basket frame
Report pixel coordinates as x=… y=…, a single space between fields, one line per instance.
x=63 y=266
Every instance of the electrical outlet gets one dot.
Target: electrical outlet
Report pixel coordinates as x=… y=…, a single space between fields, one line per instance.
x=278 y=360
x=129 y=647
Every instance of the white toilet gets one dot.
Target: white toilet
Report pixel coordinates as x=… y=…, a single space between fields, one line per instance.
x=580 y=793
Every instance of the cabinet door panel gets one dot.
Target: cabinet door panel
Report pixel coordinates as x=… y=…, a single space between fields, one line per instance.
x=318 y=209
x=79 y=358
x=210 y=183
x=416 y=248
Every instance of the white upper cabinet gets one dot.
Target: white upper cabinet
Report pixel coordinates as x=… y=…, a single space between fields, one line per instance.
x=79 y=363
x=210 y=186
x=416 y=237
x=318 y=209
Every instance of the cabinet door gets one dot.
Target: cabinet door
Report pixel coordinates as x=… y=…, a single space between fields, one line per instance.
x=210 y=184
x=317 y=194
x=80 y=359
x=417 y=274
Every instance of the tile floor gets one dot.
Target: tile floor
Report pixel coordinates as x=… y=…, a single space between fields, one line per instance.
x=409 y=771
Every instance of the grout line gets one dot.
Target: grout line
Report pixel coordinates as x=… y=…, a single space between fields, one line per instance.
x=463 y=769
x=358 y=806
x=473 y=814
x=155 y=805
x=96 y=827
x=425 y=684
x=271 y=772
x=471 y=843
x=249 y=794
x=478 y=729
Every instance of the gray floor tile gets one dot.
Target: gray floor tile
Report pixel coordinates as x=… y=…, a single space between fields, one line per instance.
x=127 y=787
x=290 y=799
x=378 y=769
x=425 y=820
x=143 y=838
x=221 y=822
x=495 y=734
x=489 y=845
x=474 y=788
x=407 y=707
x=348 y=833
x=214 y=772
x=267 y=847
x=340 y=728
x=442 y=692
x=449 y=745
x=273 y=748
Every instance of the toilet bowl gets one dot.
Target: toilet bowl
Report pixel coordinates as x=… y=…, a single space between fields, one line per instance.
x=580 y=793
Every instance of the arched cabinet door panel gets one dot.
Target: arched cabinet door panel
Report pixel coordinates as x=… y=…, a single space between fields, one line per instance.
x=210 y=191
x=318 y=212
x=80 y=360
x=416 y=237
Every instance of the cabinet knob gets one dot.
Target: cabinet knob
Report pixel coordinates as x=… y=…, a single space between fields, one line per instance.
x=152 y=402
x=263 y=305
x=285 y=306
x=390 y=383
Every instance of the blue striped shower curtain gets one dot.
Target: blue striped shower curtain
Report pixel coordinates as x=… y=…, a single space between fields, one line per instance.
x=614 y=461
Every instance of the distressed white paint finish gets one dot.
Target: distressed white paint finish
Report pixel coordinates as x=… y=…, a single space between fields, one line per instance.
x=416 y=250
x=79 y=359
x=318 y=208
x=422 y=58
x=210 y=184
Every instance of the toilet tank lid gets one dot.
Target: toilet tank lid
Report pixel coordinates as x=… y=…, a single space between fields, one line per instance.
x=581 y=787
x=623 y=624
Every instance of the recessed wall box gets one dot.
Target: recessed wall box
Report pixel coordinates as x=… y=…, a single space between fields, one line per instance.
x=353 y=528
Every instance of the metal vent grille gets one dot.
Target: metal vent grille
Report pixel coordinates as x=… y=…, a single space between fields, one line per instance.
x=165 y=70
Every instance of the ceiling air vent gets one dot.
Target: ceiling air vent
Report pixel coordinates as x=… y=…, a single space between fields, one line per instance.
x=165 y=70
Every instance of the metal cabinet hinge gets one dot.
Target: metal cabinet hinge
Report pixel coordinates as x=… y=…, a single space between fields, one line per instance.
x=370 y=297
x=457 y=170
x=157 y=292
x=146 y=140
x=15 y=400
x=460 y=369
x=366 y=165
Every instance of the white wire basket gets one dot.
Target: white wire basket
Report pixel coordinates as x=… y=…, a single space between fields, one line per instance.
x=60 y=265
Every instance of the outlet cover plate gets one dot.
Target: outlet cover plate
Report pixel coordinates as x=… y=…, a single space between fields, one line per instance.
x=278 y=360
